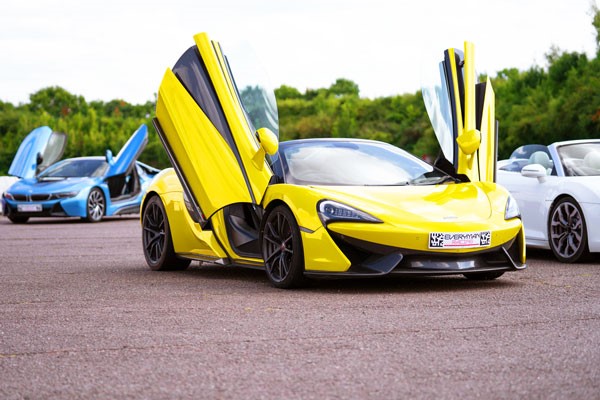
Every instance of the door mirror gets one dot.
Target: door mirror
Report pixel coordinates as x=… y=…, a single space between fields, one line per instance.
x=39 y=159
x=109 y=157
x=269 y=144
x=268 y=141
x=534 y=171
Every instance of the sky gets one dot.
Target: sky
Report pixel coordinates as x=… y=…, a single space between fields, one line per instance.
x=119 y=49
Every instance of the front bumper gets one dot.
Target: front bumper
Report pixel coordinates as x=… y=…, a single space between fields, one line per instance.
x=371 y=259
x=49 y=209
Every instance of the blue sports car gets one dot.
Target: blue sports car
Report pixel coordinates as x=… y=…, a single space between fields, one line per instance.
x=86 y=187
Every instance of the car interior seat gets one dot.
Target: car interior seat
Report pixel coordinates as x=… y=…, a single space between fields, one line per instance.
x=540 y=157
x=592 y=161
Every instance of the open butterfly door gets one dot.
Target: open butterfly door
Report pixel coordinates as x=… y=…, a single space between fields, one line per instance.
x=206 y=131
x=462 y=112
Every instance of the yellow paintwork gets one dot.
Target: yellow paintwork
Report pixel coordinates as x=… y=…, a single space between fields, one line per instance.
x=189 y=240
x=407 y=213
x=209 y=165
x=476 y=148
x=269 y=144
x=487 y=149
x=248 y=146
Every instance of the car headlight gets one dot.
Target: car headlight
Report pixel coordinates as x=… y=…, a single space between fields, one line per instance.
x=7 y=195
x=332 y=211
x=64 y=195
x=512 y=208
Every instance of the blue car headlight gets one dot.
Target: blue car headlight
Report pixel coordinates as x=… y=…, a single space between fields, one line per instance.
x=7 y=195
x=63 y=195
x=333 y=211
x=512 y=208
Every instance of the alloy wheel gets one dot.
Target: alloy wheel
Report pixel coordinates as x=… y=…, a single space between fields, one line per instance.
x=567 y=231
x=95 y=205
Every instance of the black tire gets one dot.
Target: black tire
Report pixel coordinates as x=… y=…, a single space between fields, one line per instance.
x=17 y=219
x=156 y=239
x=95 y=206
x=281 y=247
x=484 y=276
x=567 y=231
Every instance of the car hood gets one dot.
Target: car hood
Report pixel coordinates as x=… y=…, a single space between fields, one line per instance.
x=468 y=202
x=36 y=186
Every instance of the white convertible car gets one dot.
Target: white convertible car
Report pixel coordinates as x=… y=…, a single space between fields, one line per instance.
x=557 y=188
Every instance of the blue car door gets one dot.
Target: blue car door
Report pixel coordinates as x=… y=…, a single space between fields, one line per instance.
x=128 y=154
x=40 y=149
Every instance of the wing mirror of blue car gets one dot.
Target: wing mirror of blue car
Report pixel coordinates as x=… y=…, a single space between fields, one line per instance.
x=109 y=157
x=269 y=144
x=535 y=171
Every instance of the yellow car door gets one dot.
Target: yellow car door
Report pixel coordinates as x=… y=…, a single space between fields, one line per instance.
x=462 y=114
x=208 y=134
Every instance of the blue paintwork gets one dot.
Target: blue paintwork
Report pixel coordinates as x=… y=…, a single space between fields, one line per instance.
x=78 y=188
x=129 y=152
x=24 y=164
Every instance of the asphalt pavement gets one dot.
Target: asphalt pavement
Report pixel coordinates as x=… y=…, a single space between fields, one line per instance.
x=81 y=316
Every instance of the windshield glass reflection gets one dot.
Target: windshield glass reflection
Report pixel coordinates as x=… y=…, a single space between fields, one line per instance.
x=354 y=163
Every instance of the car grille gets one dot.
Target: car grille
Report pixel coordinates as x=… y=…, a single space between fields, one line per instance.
x=32 y=197
x=39 y=197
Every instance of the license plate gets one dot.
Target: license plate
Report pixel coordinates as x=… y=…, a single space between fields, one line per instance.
x=459 y=240
x=29 y=207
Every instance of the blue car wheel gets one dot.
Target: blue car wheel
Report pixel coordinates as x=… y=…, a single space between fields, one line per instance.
x=95 y=206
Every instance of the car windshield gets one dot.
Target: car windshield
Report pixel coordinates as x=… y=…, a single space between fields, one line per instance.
x=355 y=163
x=75 y=167
x=581 y=159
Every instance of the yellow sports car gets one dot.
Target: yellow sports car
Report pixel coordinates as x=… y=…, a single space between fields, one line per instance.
x=324 y=207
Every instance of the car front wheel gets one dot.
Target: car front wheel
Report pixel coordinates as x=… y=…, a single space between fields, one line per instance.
x=281 y=246
x=95 y=205
x=156 y=238
x=567 y=232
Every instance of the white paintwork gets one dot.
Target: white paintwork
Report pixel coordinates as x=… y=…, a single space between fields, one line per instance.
x=536 y=193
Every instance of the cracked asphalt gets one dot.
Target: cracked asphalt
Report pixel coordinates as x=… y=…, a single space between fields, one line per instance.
x=81 y=316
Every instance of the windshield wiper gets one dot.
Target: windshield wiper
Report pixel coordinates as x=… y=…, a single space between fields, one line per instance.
x=436 y=180
x=401 y=183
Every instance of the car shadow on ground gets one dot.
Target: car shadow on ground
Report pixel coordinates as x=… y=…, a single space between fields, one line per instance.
x=69 y=220
x=385 y=284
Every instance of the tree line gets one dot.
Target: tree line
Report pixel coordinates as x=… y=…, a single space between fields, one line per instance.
x=538 y=105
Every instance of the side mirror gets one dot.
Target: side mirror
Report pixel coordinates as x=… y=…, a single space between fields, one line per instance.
x=109 y=157
x=39 y=159
x=269 y=144
x=469 y=141
x=534 y=171
x=268 y=140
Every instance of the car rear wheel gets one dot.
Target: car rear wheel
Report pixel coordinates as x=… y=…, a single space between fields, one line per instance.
x=281 y=246
x=157 y=241
x=567 y=232
x=17 y=219
x=95 y=205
